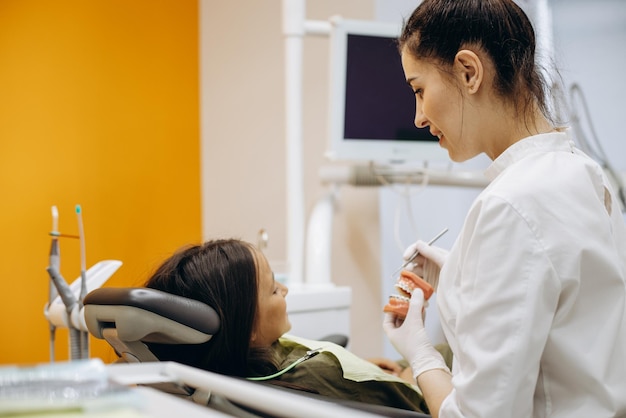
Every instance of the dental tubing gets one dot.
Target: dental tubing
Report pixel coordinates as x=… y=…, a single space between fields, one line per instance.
x=55 y=262
x=84 y=336
x=83 y=261
x=79 y=339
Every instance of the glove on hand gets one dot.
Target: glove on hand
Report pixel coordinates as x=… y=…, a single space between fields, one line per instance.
x=411 y=340
x=428 y=262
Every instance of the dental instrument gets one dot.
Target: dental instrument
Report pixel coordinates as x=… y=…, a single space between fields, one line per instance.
x=55 y=262
x=416 y=252
x=65 y=304
x=84 y=336
x=97 y=275
x=60 y=235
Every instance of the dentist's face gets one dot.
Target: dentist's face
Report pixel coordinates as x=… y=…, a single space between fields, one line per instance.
x=438 y=105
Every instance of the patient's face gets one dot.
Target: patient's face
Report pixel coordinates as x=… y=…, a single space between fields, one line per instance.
x=271 y=320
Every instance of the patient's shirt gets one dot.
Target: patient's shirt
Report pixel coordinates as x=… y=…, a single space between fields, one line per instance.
x=338 y=373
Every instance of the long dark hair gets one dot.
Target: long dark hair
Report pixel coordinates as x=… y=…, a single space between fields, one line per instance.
x=438 y=29
x=222 y=274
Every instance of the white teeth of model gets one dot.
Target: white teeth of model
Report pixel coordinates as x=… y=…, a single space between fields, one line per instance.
x=405 y=287
x=401 y=298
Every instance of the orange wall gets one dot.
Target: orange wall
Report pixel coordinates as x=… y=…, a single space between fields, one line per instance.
x=98 y=107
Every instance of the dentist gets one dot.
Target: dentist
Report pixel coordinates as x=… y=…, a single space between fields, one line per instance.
x=532 y=295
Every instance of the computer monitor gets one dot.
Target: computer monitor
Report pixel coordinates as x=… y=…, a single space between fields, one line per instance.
x=372 y=109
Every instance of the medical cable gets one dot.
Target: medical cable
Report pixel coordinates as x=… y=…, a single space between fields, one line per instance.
x=68 y=298
x=405 y=193
x=71 y=303
x=309 y=354
x=596 y=153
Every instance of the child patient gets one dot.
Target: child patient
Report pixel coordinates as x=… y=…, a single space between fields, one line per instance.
x=235 y=279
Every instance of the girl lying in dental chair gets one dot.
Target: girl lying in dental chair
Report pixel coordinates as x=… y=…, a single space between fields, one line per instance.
x=235 y=279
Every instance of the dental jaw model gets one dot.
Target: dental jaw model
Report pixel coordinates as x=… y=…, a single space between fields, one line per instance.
x=407 y=282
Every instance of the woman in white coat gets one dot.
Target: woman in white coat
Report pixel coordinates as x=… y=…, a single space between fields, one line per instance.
x=532 y=295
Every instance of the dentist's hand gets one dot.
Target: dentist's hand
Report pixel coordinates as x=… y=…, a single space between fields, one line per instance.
x=411 y=340
x=428 y=262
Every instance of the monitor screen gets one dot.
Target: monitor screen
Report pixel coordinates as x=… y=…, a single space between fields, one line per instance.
x=372 y=109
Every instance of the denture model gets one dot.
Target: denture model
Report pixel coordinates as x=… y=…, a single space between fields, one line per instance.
x=407 y=282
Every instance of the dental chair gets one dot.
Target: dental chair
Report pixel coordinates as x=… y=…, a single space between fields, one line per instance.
x=128 y=318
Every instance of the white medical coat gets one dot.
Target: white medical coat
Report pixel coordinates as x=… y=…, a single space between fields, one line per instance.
x=532 y=298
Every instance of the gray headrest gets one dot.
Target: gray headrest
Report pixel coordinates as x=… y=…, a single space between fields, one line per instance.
x=156 y=304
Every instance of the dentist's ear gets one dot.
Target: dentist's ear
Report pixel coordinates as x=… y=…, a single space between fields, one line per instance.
x=470 y=68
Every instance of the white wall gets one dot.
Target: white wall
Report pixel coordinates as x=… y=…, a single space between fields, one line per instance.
x=590 y=47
